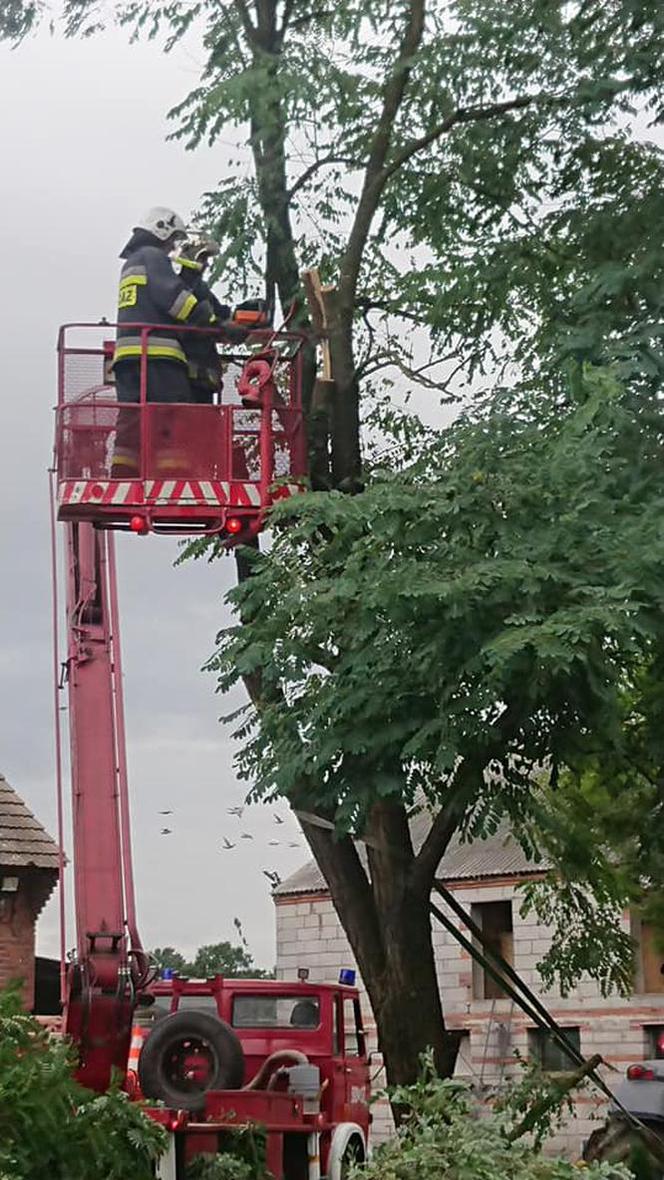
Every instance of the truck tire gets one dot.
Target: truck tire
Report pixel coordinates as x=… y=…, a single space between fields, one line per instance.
x=187 y=1054
x=353 y=1155
x=346 y=1149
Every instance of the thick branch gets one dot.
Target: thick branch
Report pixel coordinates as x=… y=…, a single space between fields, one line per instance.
x=455 y=118
x=337 y=858
x=243 y=11
x=467 y=783
x=389 y=852
x=366 y=305
x=373 y=183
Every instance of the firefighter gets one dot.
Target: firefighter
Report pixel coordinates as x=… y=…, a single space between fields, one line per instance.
x=151 y=293
x=203 y=359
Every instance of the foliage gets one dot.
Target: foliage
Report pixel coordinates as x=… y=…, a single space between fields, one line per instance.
x=454 y=629
x=50 y=1126
x=602 y=805
x=242 y=1157
x=442 y=1135
x=220 y=1167
x=542 y=1101
x=466 y=164
x=223 y=959
x=219 y=958
x=168 y=957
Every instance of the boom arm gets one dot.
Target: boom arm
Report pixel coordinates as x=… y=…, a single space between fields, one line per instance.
x=109 y=964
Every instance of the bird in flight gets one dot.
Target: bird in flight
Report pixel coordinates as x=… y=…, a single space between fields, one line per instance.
x=165 y=832
x=293 y=844
x=273 y=843
x=165 y=812
x=246 y=836
x=273 y=878
x=227 y=843
x=238 y=811
x=278 y=819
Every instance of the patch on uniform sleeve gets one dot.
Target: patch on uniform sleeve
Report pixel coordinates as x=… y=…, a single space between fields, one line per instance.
x=127 y=295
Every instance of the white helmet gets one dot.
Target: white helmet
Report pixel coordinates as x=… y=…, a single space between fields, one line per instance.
x=163 y=223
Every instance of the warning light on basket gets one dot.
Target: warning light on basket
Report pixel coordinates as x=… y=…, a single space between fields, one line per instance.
x=234 y=525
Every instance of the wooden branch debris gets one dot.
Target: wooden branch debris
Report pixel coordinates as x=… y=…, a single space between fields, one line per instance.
x=319 y=299
x=564 y=1084
x=321 y=310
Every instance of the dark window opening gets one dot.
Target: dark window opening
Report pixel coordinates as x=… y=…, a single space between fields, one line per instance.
x=494 y=919
x=353 y=1033
x=549 y=1054
x=652 y=959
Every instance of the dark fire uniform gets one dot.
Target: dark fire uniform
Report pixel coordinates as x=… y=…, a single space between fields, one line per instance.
x=151 y=293
x=202 y=356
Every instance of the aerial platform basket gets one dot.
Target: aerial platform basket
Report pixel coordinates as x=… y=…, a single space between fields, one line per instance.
x=171 y=466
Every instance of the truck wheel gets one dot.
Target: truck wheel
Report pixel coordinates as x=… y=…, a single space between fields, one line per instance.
x=354 y=1154
x=187 y=1054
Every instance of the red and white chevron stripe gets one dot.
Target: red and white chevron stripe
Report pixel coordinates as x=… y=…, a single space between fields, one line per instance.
x=159 y=492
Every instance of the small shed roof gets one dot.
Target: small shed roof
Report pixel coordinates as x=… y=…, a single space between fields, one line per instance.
x=24 y=843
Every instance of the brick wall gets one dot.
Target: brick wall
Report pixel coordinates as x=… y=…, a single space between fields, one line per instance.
x=309 y=935
x=17 y=941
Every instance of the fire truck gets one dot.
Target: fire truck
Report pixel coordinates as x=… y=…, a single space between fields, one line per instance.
x=206 y=1056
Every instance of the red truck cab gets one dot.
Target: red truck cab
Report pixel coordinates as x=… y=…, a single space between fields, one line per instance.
x=302 y=1070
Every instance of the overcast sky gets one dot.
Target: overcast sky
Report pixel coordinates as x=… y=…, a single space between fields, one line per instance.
x=83 y=155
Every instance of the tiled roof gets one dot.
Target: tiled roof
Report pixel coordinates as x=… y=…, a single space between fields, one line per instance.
x=23 y=841
x=499 y=855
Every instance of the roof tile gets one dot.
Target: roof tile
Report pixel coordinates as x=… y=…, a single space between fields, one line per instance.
x=23 y=841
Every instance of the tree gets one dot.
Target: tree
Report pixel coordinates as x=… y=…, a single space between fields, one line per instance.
x=50 y=1126
x=219 y=958
x=168 y=957
x=441 y=638
x=467 y=171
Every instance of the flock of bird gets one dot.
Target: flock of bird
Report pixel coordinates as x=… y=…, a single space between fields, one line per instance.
x=226 y=844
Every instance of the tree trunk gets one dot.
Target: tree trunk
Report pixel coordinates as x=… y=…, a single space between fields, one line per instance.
x=345 y=408
x=409 y=1012
x=388 y=925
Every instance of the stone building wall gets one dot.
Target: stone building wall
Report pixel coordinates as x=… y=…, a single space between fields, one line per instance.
x=309 y=935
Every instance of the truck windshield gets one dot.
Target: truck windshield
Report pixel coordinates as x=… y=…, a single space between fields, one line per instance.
x=276 y=1012
x=201 y=1003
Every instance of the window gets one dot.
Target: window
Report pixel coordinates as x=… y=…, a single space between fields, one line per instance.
x=302 y=1012
x=198 y=1003
x=336 y=1024
x=494 y=919
x=463 y=1067
x=652 y=959
x=654 y=1038
x=353 y=1035
x=549 y=1054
